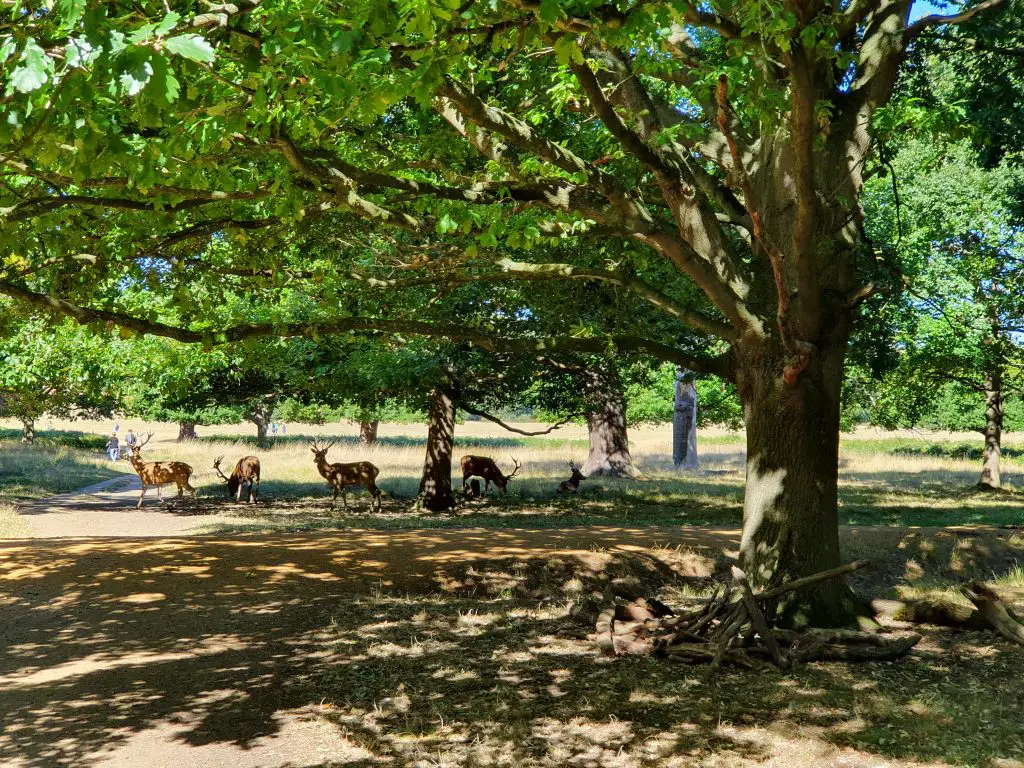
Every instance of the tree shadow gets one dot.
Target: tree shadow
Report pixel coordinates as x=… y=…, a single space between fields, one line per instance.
x=222 y=642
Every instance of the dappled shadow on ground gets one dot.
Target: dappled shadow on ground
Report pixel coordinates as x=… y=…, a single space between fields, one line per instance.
x=532 y=502
x=179 y=647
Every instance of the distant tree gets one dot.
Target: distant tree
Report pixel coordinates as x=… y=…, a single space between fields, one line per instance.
x=61 y=369
x=960 y=246
x=168 y=381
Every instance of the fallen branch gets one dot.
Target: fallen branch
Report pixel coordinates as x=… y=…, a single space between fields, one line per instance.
x=731 y=627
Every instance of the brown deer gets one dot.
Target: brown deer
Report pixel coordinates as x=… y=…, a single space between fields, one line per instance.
x=159 y=473
x=572 y=485
x=342 y=476
x=245 y=474
x=481 y=466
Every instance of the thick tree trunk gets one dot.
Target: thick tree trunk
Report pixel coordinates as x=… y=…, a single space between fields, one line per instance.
x=993 y=431
x=368 y=432
x=187 y=431
x=606 y=428
x=261 y=431
x=790 y=515
x=436 y=484
x=28 y=430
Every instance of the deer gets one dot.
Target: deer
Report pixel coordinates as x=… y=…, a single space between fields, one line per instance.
x=481 y=466
x=159 y=473
x=572 y=485
x=246 y=473
x=342 y=476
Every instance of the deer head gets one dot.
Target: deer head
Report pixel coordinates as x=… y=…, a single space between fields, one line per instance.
x=320 y=454
x=517 y=465
x=137 y=448
x=574 y=468
x=502 y=481
x=216 y=466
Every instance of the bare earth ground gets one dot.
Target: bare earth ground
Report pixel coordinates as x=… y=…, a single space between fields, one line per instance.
x=291 y=650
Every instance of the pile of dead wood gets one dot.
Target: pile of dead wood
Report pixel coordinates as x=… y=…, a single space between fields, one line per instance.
x=732 y=627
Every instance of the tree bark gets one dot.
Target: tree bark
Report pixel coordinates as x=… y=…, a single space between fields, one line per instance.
x=368 y=432
x=606 y=427
x=28 y=429
x=790 y=511
x=990 y=479
x=187 y=431
x=261 y=430
x=436 y=484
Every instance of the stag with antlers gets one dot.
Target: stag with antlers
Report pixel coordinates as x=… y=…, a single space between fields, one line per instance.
x=572 y=485
x=342 y=476
x=481 y=466
x=246 y=475
x=159 y=473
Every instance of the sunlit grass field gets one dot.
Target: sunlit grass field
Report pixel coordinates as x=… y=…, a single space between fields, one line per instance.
x=885 y=478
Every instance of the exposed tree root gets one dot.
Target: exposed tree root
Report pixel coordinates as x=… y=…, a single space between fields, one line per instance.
x=732 y=627
x=988 y=612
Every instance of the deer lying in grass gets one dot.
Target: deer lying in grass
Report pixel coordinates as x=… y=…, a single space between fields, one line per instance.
x=246 y=474
x=159 y=473
x=342 y=476
x=481 y=466
x=572 y=485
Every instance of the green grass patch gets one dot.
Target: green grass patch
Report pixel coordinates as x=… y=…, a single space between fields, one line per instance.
x=36 y=471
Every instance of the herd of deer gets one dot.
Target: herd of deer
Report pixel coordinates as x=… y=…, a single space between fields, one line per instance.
x=245 y=477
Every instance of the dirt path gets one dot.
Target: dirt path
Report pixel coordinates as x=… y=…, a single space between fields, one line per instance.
x=108 y=509
x=205 y=651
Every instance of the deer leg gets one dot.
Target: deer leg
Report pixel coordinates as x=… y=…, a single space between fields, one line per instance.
x=334 y=501
x=141 y=497
x=254 y=492
x=159 y=492
x=241 y=487
x=344 y=500
x=465 y=482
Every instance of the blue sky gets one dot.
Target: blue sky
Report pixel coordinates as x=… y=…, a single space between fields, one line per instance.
x=925 y=7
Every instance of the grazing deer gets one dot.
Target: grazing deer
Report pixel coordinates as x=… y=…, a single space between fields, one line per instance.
x=342 y=476
x=245 y=473
x=481 y=466
x=159 y=473
x=572 y=485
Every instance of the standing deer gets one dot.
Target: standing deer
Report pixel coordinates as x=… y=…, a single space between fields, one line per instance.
x=159 y=473
x=245 y=473
x=342 y=476
x=572 y=485
x=481 y=466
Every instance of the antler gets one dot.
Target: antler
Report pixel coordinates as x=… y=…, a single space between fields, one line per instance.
x=216 y=466
x=514 y=471
x=138 y=447
x=574 y=466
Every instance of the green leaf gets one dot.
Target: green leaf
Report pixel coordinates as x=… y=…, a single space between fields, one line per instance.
x=170 y=21
x=192 y=47
x=7 y=49
x=71 y=10
x=33 y=71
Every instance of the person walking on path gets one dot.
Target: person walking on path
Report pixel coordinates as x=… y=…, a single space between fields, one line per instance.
x=113 y=448
x=130 y=440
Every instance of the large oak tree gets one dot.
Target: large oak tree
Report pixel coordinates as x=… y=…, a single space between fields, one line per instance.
x=706 y=158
